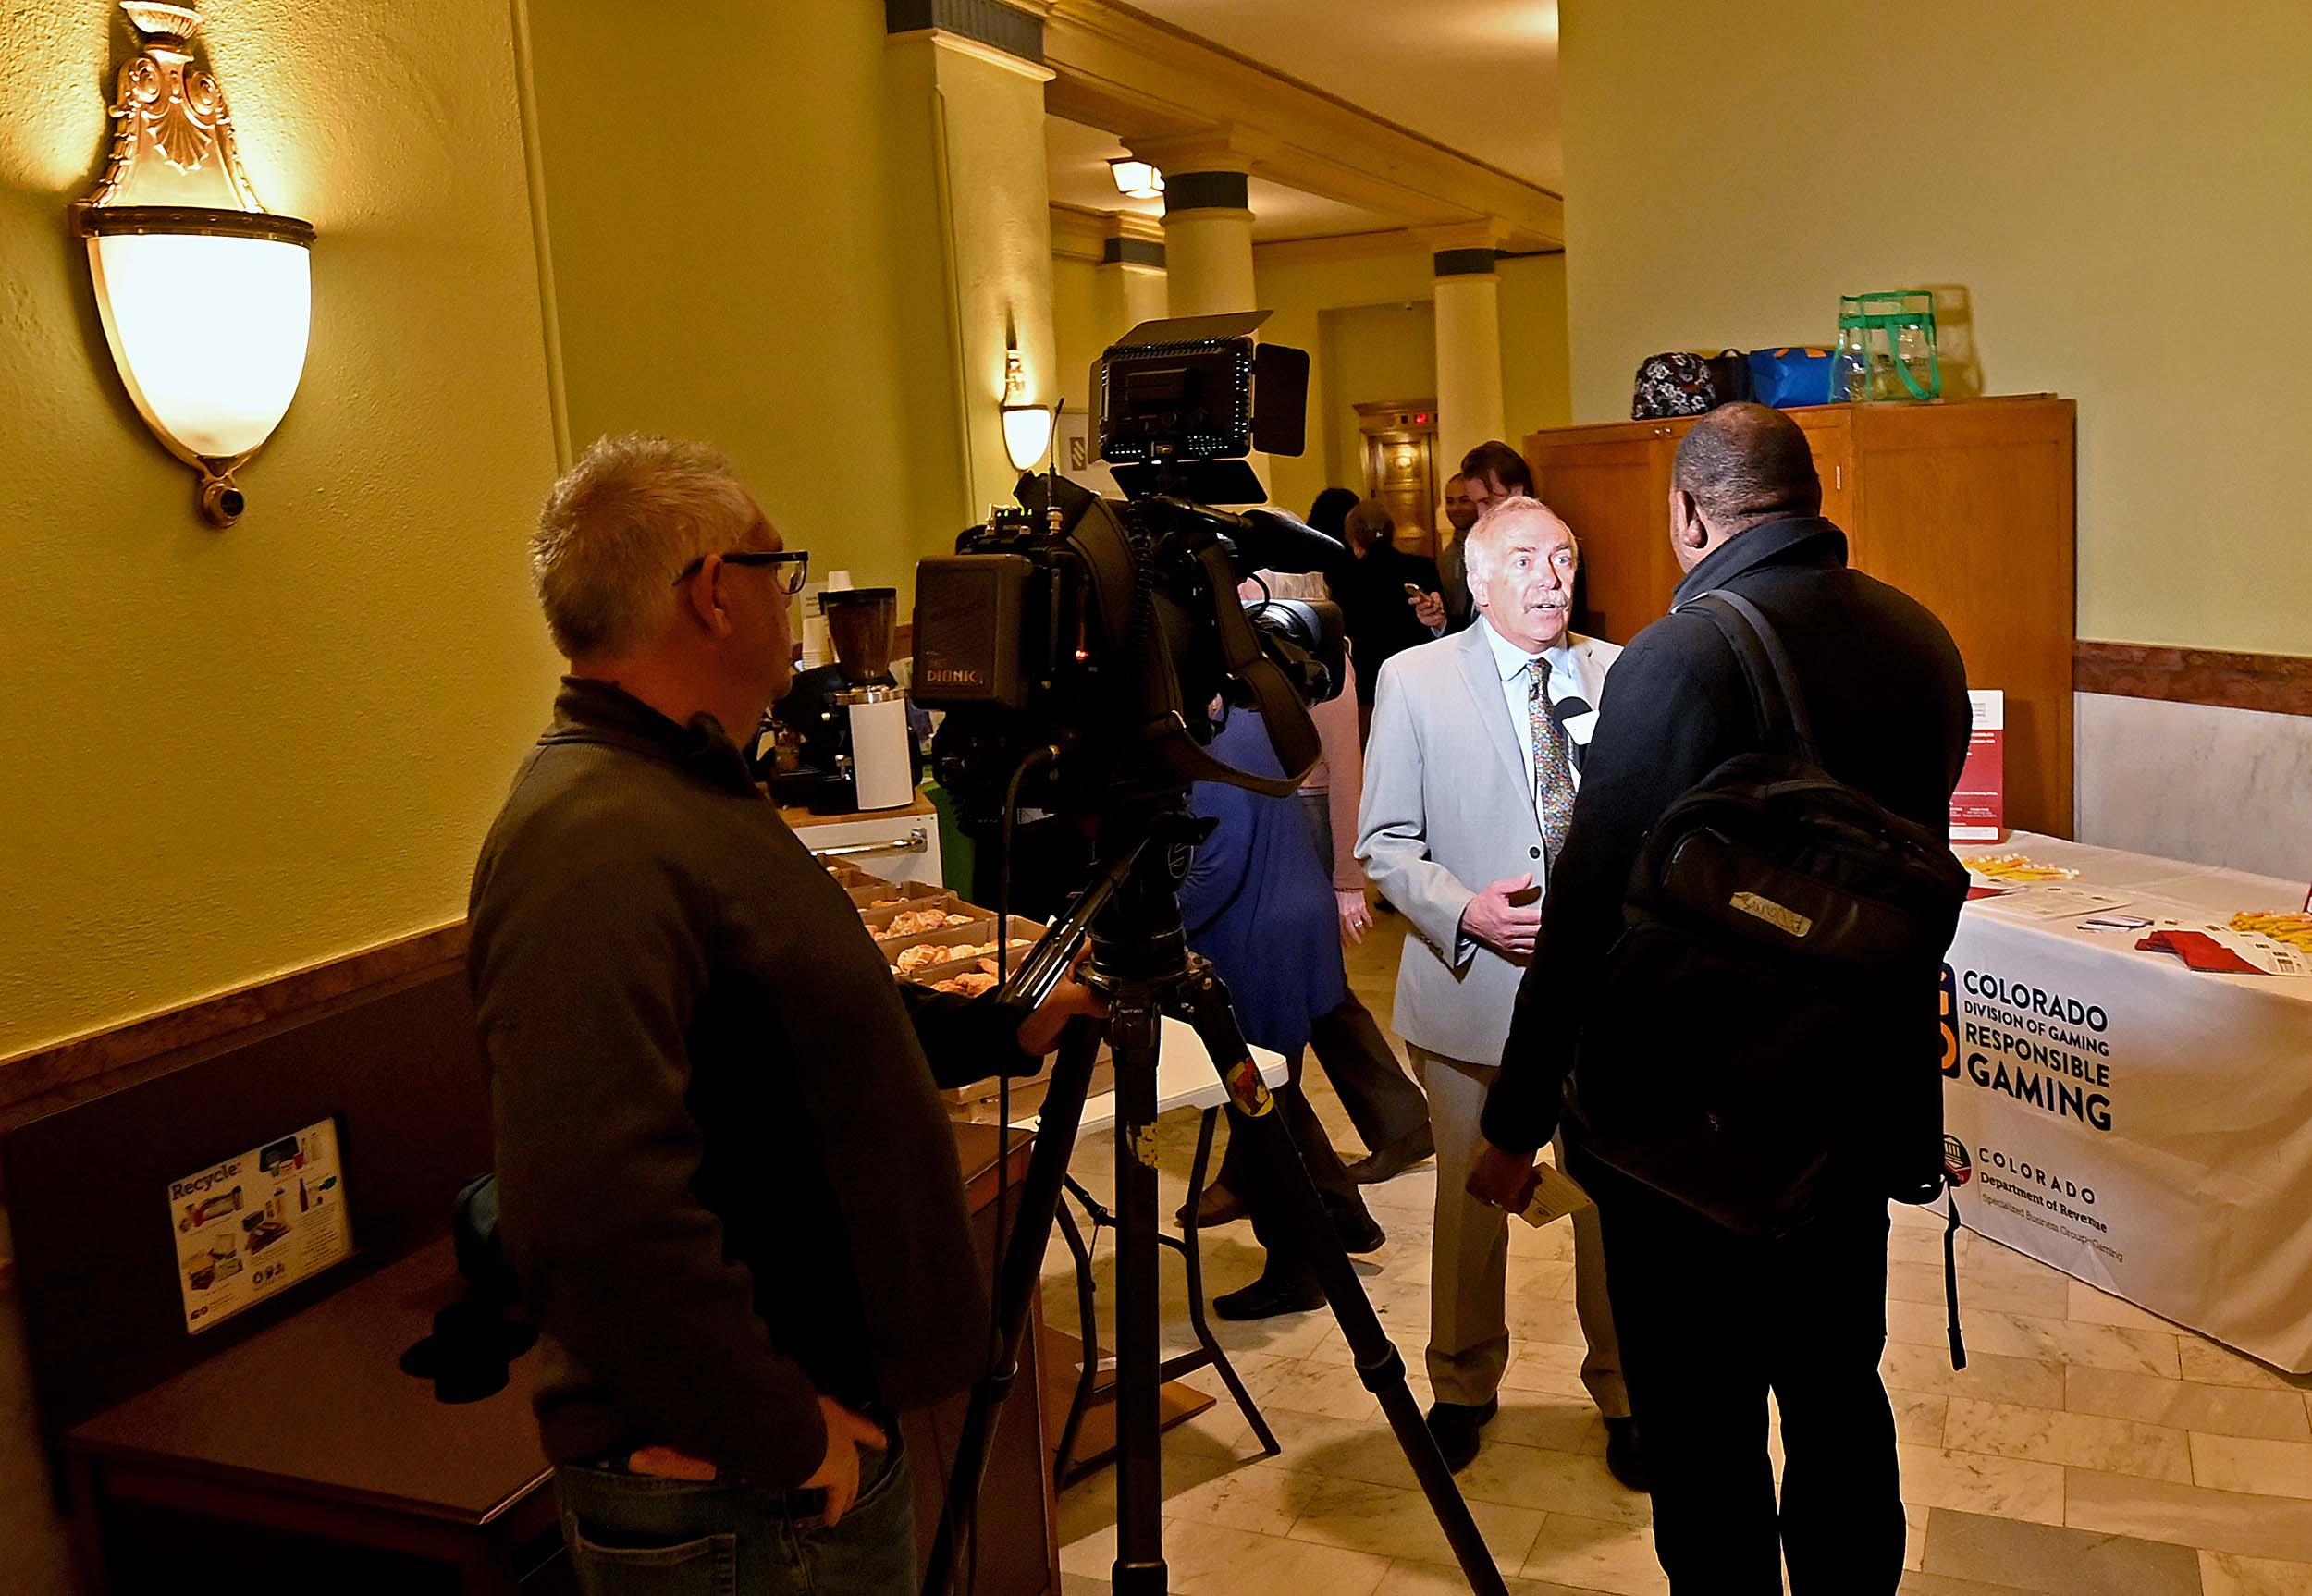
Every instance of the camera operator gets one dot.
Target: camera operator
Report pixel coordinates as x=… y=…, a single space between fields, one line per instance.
x=727 y=1185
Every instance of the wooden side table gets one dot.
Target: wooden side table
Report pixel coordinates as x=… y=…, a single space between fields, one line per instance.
x=304 y=1453
x=310 y=1431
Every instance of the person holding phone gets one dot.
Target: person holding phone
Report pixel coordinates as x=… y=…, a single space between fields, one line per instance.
x=1377 y=589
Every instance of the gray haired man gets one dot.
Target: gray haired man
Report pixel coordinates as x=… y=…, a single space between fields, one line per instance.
x=1476 y=747
x=726 y=1182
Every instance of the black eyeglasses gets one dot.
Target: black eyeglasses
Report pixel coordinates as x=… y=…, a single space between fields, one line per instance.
x=794 y=566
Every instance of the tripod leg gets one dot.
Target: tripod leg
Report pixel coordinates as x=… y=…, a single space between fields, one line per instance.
x=1139 y=1564
x=1286 y=1182
x=1017 y=1272
x=1193 y=1255
x=1088 y=1321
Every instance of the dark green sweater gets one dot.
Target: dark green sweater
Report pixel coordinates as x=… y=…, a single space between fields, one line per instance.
x=727 y=1183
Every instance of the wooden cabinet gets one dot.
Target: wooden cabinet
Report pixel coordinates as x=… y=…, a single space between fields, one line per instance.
x=1965 y=506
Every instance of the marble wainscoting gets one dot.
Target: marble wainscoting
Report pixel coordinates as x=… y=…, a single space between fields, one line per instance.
x=2216 y=786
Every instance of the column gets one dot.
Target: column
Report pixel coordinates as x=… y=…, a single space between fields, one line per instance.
x=1208 y=223
x=971 y=189
x=1208 y=215
x=1468 y=340
x=1132 y=280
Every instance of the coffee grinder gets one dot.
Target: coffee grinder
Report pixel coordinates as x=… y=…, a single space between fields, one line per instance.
x=851 y=717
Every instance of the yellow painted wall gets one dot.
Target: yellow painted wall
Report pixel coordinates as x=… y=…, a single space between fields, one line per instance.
x=1298 y=291
x=1536 y=379
x=1370 y=353
x=1078 y=334
x=806 y=332
x=228 y=753
x=2123 y=202
x=972 y=130
x=1301 y=292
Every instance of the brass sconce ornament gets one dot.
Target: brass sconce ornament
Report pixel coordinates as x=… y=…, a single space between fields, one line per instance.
x=206 y=297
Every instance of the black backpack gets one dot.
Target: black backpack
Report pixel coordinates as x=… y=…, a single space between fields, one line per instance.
x=1681 y=383
x=1781 y=928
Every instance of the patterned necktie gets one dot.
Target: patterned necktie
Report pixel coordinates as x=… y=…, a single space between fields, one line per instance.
x=1552 y=764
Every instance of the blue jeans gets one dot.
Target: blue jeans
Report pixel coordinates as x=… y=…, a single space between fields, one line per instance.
x=632 y=1535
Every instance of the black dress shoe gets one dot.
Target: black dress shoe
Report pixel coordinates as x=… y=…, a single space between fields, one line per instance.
x=1625 y=1459
x=1216 y=1206
x=1358 y=1232
x=1455 y=1424
x=1394 y=1159
x=1270 y=1295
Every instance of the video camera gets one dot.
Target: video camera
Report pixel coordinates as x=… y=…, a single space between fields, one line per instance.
x=1083 y=639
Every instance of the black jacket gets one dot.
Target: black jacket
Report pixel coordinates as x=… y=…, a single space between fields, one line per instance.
x=1375 y=611
x=727 y=1182
x=1888 y=696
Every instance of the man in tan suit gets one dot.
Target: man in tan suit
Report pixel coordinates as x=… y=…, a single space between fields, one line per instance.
x=1468 y=781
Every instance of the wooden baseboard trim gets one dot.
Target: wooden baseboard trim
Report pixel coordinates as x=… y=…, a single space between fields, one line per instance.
x=2280 y=684
x=97 y=1060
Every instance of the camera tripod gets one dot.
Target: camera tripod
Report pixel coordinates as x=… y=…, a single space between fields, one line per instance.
x=1142 y=964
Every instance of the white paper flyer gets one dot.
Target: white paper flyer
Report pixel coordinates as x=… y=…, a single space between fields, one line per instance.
x=258 y=1223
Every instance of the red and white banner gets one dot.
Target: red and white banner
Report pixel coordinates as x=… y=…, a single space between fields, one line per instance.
x=1978 y=809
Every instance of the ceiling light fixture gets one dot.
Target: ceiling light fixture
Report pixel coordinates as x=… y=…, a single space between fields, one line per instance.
x=1136 y=179
x=206 y=297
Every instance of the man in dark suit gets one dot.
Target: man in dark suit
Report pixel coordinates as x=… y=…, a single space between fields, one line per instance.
x=1711 y=1320
x=1448 y=609
x=1493 y=471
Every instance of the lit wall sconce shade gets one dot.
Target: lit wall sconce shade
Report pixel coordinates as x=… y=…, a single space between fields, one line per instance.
x=1026 y=427
x=1138 y=179
x=1027 y=434
x=206 y=297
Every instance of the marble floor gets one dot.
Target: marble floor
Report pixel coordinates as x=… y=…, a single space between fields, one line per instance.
x=2088 y=1446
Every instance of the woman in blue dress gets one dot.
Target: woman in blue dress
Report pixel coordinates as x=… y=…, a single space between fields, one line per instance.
x=1258 y=906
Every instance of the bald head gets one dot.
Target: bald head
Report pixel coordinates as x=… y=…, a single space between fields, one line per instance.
x=1746 y=463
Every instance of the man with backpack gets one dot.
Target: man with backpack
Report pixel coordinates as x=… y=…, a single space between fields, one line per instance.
x=1735 y=968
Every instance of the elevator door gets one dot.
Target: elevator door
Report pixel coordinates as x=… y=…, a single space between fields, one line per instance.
x=1400 y=449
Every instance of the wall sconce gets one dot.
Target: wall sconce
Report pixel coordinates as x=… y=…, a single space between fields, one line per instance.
x=1138 y=179
x=206 y=297
x=1026 y=427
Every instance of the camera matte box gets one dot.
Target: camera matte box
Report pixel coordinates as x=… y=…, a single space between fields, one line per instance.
x=969 y=610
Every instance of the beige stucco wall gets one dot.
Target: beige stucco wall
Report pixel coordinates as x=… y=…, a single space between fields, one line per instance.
x=2116 y=210
x=228 y=753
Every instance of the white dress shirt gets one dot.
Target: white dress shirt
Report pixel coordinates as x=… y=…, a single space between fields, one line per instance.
x=1564 y=681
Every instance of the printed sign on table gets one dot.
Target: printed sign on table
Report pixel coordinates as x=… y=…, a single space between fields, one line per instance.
x=1978 y=809
x=2140 y=1127
x=256 y=1224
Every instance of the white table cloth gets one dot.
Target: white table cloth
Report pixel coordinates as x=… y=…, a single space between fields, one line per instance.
x=2141 y=1127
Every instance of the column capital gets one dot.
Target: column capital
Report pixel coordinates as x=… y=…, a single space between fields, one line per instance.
x=1229 y=148
x=1132 y=240
x=1005 y=33
x=1132 y=225
x=1459 y=238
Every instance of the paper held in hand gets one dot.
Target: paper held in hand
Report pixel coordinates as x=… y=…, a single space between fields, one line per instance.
x=1554 y=1196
